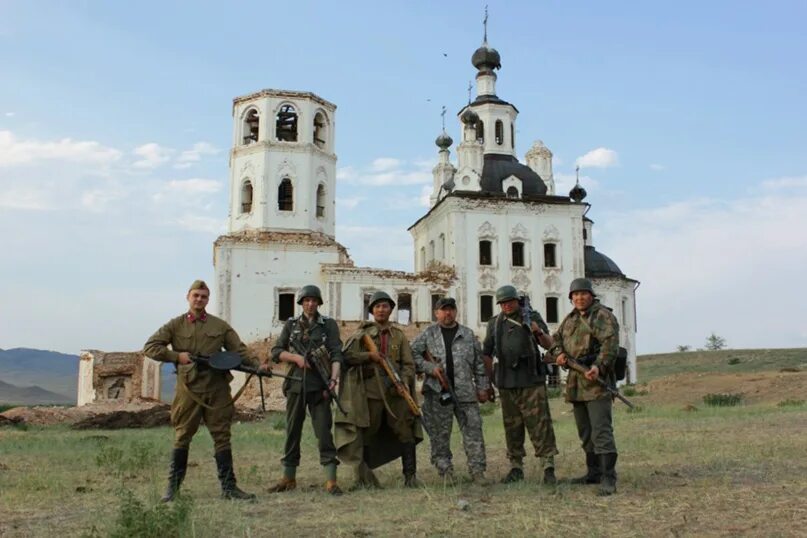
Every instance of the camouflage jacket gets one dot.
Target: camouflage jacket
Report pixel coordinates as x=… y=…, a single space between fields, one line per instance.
x=577 y=335
x=299 y=336
x=199 y=338
x=466 y=352
x=507 y=339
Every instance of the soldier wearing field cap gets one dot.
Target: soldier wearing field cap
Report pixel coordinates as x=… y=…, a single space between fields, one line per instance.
x=590 y=334
x=201 y=392
x=449 y=352
x=521 y=380
x=317 y=335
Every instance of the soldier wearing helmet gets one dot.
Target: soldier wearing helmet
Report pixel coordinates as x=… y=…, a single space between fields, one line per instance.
x=521 y=379
x=590 y=334
x=316 y=336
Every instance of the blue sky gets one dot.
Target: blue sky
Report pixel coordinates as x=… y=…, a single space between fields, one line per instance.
x=115 y=122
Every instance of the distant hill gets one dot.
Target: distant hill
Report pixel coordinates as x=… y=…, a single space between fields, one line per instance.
x=50 y=370
x=652 y=367
x=11 y=394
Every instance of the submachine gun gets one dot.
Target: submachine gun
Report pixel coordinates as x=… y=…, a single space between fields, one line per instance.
x=447 y=394
x=314 y=358
x=582 y=365
x=526 y=321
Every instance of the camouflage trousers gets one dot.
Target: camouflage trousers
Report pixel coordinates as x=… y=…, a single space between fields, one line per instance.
x=528 y=408
x=438 y=420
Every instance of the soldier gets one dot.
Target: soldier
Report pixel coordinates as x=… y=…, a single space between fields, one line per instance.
x=379 y=426
x=201 y=392
x=521 y=381
x=450 y=351
x=310 y=332
x=590 y=334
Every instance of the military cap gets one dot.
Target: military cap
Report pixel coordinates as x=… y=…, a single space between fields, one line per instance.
x=309 y=291
x=378 y=297
x=198 y=285
x=445 y=302
x=506 y=293
x=581 y=284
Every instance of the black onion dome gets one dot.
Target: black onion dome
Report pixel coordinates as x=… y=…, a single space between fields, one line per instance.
x=577 y=193
x=469 y=117
x=598 y=264
x=444 y=141
x=497 y=168
x=486 y=58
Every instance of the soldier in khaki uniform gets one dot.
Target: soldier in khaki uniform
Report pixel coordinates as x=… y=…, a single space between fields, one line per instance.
x=201 y=392
x=379 y=426
x=590 y=334
x=310 y=332
x=521 y=381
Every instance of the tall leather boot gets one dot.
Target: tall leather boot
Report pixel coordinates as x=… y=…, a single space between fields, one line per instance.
x=593 y=474
x=176 y=473
x=608 y=464
x=229 y=489
x=409 y=466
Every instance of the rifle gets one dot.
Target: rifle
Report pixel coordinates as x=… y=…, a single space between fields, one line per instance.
x=312 y=359
x=488 y=362
x=526 y=321
x=578 y=367
x=393 y=376
x=447 y=395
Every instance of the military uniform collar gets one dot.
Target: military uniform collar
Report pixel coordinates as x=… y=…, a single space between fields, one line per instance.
x=319 y=319
x=192 y=318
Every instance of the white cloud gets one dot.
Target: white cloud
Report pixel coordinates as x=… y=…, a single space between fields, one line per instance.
x=14 y=151
x=657 y=167
x=387 y=247
x=784 y=183
x=425 y=196
x=188 y=157
x=151 y=155
x=196 y=223
x=349 y=202
x=565 y=182
x=25 y=199
x=385 y=164
x=387 y=171
x=10 y=114
x=98 y=200
x=598 y=158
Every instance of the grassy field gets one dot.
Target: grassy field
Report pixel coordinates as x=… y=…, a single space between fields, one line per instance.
x=722 y=472
x=726 y=361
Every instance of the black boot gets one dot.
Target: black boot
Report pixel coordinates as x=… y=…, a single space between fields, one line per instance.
x=176 y=472
x=224 y=464
x=549 y=476
x=593 y=474
x=516 y=474
x=409 y=465
x=608 y=464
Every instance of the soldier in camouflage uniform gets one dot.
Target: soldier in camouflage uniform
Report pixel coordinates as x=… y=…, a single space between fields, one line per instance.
x=201 y=392
x=590 y=334
x=455 y=354
x=313 y=332
x=378 y=427
x=521 y=380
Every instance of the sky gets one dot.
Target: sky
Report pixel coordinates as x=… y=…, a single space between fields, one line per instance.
x=687 y=119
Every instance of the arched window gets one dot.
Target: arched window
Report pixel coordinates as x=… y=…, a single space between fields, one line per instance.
x=285 y=195
x=485 y=253
x=320 y=130
x=321 y=201
x=251 y=127
x=431 y=250
x=499 y=135
x=480 y=131
x=246 y=197
x=286 y=124
x=442 y=246
x=512 y=192
x=422 y=258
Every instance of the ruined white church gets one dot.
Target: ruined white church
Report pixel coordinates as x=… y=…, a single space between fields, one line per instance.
x=492 y=221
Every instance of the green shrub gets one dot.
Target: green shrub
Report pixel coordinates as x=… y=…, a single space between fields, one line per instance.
x=487 y=408
x=279 y=423
x=722 y=400
x=162 y=520
x=790 y=403
x=140 y=456
x=635 y=409
x=734 y=360
x=554 y=392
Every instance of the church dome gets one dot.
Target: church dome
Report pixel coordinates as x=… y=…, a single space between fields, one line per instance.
x=469 y=117
x=444 y=141
x=577 y=193
x=598 y=264
x=486 y=58
x=497 y=168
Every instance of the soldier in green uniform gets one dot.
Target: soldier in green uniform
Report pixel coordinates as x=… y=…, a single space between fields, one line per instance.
x=379 y=427
x=201 y=392
x=318 y=335
x=521 y=380
x=590 y=334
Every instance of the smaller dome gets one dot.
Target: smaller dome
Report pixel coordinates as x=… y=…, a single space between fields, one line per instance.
x=577 y=193
x=486 y=58
x=469 y=117
x=444 y=141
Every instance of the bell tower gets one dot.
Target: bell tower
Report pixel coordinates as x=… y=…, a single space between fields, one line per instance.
x=282 y=163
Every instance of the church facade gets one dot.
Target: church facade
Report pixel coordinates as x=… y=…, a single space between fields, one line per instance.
x=492 y=221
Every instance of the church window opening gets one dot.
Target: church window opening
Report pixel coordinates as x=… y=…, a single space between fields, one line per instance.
x=285 y=195
x=435 y=297
x=285 y=306
x=320 y=201
x=551 y=309
x=550 y=258
x=431 y=251
x=518 y=254
x=246 y=197
x=485 y=256
x=499 y=134
x=251 y=127
x=422 y=258
x=320 y=130
x=286 y=124
x=480 y=131
x=368 y=316
x=585 y=234
x=512 y=192
x=404 y=307
x=485 y=307
x=442 y=246
x=624 y=311
x=512 y=136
